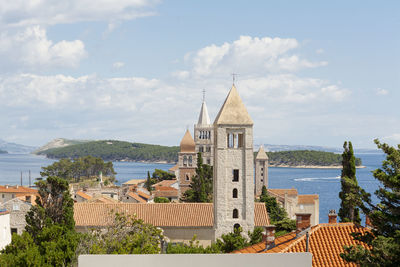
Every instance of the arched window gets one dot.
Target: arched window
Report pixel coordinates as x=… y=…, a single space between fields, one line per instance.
x=190 y=161
x=235 y=214
x=187 y=177
x=236 y=226
x=184 y=161
x=235 y=193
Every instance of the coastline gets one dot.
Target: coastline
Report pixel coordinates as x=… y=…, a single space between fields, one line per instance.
x=311 y=166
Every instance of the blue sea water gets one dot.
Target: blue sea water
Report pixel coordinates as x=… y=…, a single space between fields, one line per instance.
x=324 y=182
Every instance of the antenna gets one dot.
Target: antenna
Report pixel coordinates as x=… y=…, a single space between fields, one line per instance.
x=234 y=75
x=21 y=178
x=29 y=178
x=204 y=95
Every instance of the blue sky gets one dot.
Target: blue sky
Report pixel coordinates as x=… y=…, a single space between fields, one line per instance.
x=310 y=72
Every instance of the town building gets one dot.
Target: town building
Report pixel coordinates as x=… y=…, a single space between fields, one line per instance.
x=187 y=162
x=325 y=241
x=204 y=135
x=294 y=203
x=17 y=209
x=260 y=170
x=5 y=232
x=8 y=192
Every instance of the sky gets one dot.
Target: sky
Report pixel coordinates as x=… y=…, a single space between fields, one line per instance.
x=309 y=72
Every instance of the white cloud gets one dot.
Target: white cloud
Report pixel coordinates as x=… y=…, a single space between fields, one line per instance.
x=118 y=65
x=249 y=55
x=31 y=49
x=380 y=91
x=320 y=51
x=50 y=12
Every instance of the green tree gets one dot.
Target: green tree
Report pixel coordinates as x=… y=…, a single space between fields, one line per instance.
x=125 y=235
x=384 y=238
x=148 y=183
x=161 y=200
x=201 y=186
x=232 y=241
x=193 y=247
x=256 y=236
x=161 y=175
x=349 y=195
x=50 y=238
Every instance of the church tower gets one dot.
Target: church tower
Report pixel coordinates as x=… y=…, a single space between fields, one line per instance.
x=187 y=162
x=204 y=135
x=261 y=170
x=233 y=167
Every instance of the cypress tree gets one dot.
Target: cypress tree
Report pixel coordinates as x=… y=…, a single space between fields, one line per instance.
x=148 y=183
x=349 y=195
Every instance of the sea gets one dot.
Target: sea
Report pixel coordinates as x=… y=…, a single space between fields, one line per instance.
x=324 y=182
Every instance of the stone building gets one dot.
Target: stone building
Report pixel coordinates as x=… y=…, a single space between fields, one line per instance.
x=204 y=136
x=5 y=233
x=233 y=167
x=8 y=192
x=261 y=171
x=187 y=161
x=18 y=210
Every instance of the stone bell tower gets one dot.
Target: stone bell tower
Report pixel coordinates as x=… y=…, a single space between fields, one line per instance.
x=233 y=167
x=204 y=135
x=187 y=161
x=261 y=170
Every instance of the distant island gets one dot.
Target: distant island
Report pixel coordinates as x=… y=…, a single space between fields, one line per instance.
x=3 y=152
x=113 y=150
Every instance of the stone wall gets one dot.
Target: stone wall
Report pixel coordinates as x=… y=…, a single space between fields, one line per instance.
x=18 y=210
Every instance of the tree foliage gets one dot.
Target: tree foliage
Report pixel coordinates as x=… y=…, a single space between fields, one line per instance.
x=125 y=235
x=161 y=200
x=79 y=169
x=384 y=239
x=49 y=238
x=161 y=175
x=201 y=186
x=349 y=194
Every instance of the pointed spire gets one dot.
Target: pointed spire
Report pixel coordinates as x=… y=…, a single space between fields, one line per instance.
x=261 y=153
x=204 y=119
x=187 y=144
x=233 y=110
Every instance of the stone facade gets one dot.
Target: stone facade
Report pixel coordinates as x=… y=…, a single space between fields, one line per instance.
x=261 y=171
x=233 y=168
x=5 y=233
x=187 y=162
x=18 y=210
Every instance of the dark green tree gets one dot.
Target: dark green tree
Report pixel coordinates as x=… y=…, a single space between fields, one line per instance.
x=161 y=200
x=201 y=187
x=232 y=241
x=349 y=195
x=161 y=175
x=148 y=184
x=384 y=238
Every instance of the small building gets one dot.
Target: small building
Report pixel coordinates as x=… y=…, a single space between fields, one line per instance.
x=133 y=197
x=8 y=192
x=172 y=194
x=5 y=232
x=325 y=241
x=137 y=182
x=179 y=221
x=18 y=210
x=81 y=196
x=294 y=203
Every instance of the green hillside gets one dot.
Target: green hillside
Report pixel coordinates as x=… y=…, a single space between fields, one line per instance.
x=306 y=157
x=113 y=150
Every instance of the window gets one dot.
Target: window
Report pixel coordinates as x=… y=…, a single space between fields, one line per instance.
x=184 y=161
x=14 y=231
x=201 y=149
x=28 y=198
x=2 y=195
x=15 y=206
x=235 y=193
x=190 y=161
x=208 y=161
x=187 y=177
x=240 y=140
x=12 y=196
x=236 y=226
x=235 y=214
x=235 y=176
x=230 y=140
x=208 y=149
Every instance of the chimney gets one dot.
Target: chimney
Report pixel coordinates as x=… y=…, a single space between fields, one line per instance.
x=332 y=216
x=368 y=222
x=303 y=221
x=269 y=237
x=7 y=186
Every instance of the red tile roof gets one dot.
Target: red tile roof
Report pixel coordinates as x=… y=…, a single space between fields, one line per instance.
x=174 y=168
x=307 y=199
x=17 y=189
x=165 y=183
x=136 y=197
x=158 y=214
x=83 y=195
x=166 y=192
x=282 y=192
x=326 y=243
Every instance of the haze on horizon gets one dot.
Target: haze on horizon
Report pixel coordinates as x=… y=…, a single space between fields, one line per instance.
x=309 y=73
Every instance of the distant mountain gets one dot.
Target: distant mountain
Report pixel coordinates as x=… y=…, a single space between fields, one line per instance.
x=275 y=148
x=14 y=148
x=58 y=143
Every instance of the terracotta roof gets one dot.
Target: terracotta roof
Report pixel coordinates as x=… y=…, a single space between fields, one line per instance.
x=307 y=199
x=174 y=168
x=326 y=243
x=261 y=154
x=158 y=214
x=143 y=195
x=102 y=199
x=134 y=182
x=165 y=183
x=166 y=192
x=136 y=197
x=83 y=195
x=187 y=144
x=282 y=192
x=17 y=189
x=233 y=110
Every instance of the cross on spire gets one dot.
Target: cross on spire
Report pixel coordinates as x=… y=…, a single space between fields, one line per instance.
x=234 y=77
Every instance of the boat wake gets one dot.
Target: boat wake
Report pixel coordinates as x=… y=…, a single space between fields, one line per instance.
x=316 y=179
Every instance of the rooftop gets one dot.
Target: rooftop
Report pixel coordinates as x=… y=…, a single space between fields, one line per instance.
x=307 y=199
x=83 y=195
x=158 y=214
x=136 y=197
x=282 y=192
x=187 y=144
x=17 y=189
x=134 y=182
